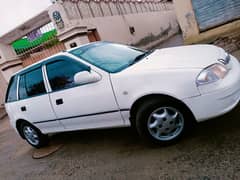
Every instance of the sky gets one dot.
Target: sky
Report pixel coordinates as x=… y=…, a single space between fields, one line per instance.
x=16 y=12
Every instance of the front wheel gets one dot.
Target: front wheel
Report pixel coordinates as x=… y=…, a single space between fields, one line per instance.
x=33 y=136
x=162 y=121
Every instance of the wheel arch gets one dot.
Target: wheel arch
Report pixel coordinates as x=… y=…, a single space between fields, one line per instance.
x=18 y=126
x=137 y=103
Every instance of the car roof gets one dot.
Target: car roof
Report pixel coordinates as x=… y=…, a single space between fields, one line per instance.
x=63 y=53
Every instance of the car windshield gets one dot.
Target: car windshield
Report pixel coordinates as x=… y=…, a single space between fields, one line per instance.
x=110 y=57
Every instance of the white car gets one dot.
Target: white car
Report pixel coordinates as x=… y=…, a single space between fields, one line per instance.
x=161 y=93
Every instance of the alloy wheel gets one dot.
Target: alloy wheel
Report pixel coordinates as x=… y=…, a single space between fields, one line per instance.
x=165 y=123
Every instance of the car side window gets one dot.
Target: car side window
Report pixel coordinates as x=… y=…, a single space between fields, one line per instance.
x=12 y=90
x=31 y=84
x=61 y=73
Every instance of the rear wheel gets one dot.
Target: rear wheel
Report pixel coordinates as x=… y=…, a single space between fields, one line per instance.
x=163 y=121
x=33 y=136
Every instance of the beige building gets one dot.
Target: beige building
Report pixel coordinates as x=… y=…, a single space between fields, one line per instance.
x=140 y=23
x=143 y=23
x=3 y=86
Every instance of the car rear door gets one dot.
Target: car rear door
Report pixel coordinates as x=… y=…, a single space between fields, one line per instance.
x=33 y=102
x=81 y=106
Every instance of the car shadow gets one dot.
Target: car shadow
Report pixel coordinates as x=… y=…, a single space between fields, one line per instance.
x=229 y=122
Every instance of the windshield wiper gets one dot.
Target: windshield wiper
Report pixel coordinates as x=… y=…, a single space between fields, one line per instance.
x=141 y=56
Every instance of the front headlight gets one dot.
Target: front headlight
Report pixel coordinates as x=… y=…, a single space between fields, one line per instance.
x=212 y=74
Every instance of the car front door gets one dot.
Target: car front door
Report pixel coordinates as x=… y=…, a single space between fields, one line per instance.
x=91 y=105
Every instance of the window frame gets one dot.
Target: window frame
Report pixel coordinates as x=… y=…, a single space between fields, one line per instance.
x=23 y=74
x=56 y=59
x=47 y=85
x=9 y=87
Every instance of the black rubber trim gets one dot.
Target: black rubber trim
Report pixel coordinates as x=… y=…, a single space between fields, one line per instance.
x=85 y=115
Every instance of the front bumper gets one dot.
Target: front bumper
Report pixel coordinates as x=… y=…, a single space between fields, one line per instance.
x=215 y=102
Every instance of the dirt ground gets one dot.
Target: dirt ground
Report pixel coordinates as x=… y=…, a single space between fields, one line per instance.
x=211 y=151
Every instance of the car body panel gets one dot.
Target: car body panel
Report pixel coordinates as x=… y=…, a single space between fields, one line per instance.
x=107 y=103
x=37 y=109
x=220 y=98
x=183 y=57
x=129 y=87
x=86 y=106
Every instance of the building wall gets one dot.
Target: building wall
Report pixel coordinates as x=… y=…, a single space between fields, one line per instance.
x=78 y=40
x=192 y=33
x=7 y=58
x=186 y=18
x=152 y=22
x=150 y=28
x=44 y=53
x=7 y=73
x=7 y=53
x=3 y=88
x=87 y=9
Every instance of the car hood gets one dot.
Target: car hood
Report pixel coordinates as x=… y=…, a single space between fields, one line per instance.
x=193 y=56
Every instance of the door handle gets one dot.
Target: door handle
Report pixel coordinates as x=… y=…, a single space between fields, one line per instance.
x=23 y=108
x=59 y=101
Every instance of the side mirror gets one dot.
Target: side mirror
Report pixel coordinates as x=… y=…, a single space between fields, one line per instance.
x=86 y=77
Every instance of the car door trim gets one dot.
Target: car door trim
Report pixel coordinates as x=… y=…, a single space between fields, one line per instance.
x=85 y=115
x=45 y=78
x=17 y=90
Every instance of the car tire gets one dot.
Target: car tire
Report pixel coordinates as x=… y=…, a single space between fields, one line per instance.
x=33 y=135
x=163 y=121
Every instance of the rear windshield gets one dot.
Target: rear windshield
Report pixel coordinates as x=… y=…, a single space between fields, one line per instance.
x=12 y=90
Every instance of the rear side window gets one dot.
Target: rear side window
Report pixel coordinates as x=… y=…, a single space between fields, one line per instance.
x=31 y=84
x=61 y=73
x=12 y=90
